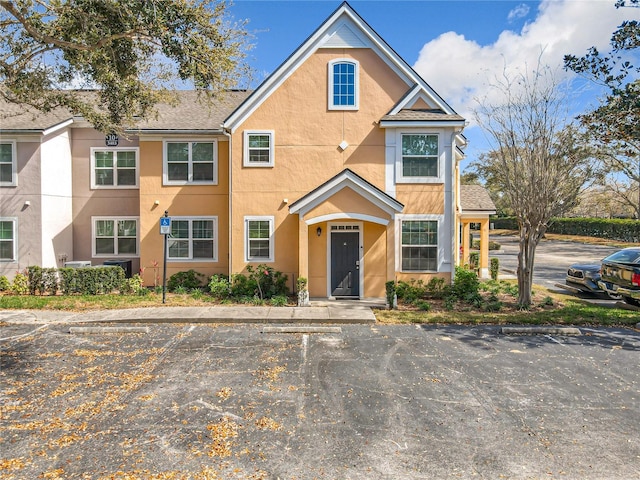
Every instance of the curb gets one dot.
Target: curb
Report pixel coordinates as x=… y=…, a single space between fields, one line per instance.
x=241 y=320
x=98 y=330
x=301 y=329
x=540 y=331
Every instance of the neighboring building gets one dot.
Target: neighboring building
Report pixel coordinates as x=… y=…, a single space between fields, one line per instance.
x=475 y=207
x=341 y=167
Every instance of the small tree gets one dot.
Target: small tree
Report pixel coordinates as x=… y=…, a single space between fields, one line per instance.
x=537 y=161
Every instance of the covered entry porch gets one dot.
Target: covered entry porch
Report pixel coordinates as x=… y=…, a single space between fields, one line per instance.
x=346 y=238
x=475 y=207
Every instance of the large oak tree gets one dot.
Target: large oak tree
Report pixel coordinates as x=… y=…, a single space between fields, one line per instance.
x=129 y=53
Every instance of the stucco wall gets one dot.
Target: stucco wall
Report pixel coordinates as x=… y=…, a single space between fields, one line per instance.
x=12 y=205
x=97 y=202
x=186 y=200
x=307 y=136
x=57 y=215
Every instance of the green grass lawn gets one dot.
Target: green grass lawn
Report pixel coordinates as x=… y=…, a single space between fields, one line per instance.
x=563 y=310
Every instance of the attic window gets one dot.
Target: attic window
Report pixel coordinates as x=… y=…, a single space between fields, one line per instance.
x=343 y=84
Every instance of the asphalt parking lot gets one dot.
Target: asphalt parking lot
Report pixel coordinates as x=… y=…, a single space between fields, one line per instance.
x=362 y=402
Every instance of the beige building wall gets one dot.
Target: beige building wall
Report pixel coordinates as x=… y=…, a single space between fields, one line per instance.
x=88 y=202
x=183 y=200
x=307 y=136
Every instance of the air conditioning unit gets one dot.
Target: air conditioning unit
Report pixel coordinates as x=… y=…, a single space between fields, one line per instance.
x=78 y=264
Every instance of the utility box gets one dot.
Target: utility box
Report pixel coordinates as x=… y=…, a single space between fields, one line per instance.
x=77 y=264
x=124 y=264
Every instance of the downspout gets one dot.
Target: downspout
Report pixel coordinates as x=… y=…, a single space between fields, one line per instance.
x=227 y=133
x=455 y=206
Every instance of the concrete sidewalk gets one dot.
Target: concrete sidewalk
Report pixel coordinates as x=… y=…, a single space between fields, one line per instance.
x=325 y=312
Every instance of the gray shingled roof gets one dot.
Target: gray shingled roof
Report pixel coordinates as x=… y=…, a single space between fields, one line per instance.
x=190 y=113
x=17 y=117
x=194 y=112
x=475 y=198
x=421 y=115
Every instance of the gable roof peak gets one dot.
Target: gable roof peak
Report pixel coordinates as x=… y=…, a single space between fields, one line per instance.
x=344 y=28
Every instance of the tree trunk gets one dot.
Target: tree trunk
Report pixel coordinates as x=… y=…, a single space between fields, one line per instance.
x=529 y=238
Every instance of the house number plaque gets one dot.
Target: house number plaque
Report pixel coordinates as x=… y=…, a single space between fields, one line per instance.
x=111 y=140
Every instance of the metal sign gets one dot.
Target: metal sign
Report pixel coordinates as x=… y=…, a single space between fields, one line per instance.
x=165 y=225
x=111 y=140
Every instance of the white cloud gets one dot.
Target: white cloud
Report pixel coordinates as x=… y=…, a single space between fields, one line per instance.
x=460 y=69
x=520 y=11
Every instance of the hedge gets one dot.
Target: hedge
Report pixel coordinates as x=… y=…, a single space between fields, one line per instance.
x=91 y=280
x=621 y=230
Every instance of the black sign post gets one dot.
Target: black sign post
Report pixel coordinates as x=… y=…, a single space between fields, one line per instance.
x=165 y=229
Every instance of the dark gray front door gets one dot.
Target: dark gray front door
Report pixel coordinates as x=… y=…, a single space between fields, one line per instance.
x=345 y=269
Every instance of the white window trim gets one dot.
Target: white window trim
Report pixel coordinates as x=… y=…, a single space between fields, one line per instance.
x=14 y=220
x=441 y=241
x=114 y=255
x=190 y=259
x=165 y=162
x=331 y=105
x=115 y=186
x=245 y=159
x=439 y=178
x=263 y=218
x=14 y=165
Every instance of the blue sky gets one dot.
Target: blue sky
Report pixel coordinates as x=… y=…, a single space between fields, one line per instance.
x=456 y=46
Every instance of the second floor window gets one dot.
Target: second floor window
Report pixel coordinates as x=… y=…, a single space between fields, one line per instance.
x=419 y=155
x=8 y=170
x=189 y=162
x=114 y=168
x=343 y=85
x=258 y=149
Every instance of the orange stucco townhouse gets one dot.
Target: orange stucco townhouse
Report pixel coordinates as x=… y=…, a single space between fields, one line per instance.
x=341 y=167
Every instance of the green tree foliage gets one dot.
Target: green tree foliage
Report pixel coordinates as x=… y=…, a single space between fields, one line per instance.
x=130 y=53
x=615 y=125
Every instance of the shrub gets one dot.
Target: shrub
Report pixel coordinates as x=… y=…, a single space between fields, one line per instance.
x=474 y=260
x=196 y=293
x=187 y=280
x=423 y=305
x=410 y=292
x=390 y=289
x=436 y=287
x=91 y=280
x=5 y=285
x=279 y=301
x=42 y=280
x=269 y=283
x=133 y=286
x=20 y=285
x=34 y=278
x=465 y=283
x=494 y=268
x=494 y=245
x=546 y=302
x=240 y=286
x=219 y=286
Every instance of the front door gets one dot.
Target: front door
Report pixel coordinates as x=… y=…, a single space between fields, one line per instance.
x=345 y=264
